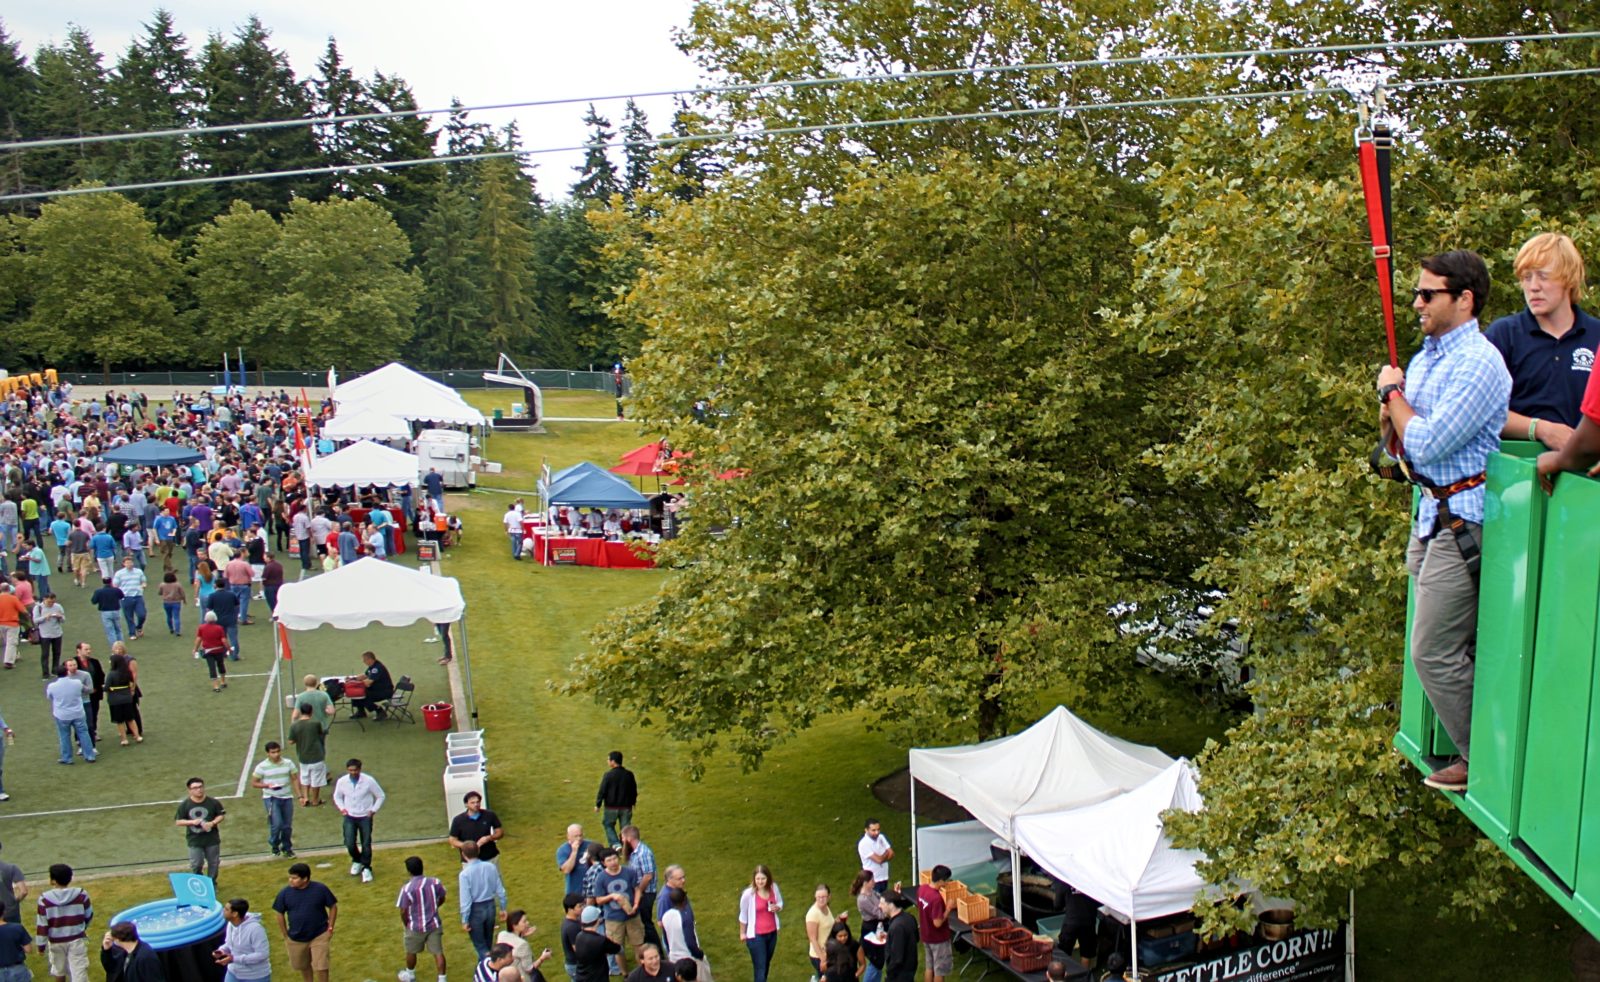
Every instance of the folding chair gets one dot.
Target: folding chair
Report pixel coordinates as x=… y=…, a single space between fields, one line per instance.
x=398 y=705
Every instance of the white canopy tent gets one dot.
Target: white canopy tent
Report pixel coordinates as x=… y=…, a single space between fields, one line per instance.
x=358 y=423
x=391 y=376
x=371 y=591
x=415 y=403
x=361 y=464
x=1117 y=851
x=1056 y=764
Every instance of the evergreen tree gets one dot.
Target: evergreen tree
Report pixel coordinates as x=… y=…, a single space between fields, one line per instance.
x=18 y=88
x=72 y=100
x=155 y=87
x=687 y=168
x=337 y=92
x=451 y=311
x=407 y=192
x=639 y=151
x=231 y=280
x=597 y=177
x=246 y=81
x=505 y=245
x=463 y=137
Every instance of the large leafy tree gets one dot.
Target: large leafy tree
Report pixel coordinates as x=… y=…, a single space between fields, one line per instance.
x=931 y=529
x=232 y=281
x=347 y=295
x=101 y=281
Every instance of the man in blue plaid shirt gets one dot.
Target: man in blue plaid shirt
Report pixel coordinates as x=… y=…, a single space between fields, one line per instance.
x=1446 y=412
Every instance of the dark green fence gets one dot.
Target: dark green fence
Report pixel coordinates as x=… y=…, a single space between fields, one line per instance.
x=460 y=378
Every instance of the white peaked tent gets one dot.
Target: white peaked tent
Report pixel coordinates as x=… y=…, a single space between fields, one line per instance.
x=391 y=376
x=361 y=464
x=1117 y=851
x=365 y=424
x=415 y=403
x=1056 y=764
x=371 y=591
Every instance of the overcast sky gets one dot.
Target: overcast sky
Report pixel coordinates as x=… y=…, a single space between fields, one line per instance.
x=479 y=52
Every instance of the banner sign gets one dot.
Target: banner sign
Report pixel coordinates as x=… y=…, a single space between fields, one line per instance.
x=1304 y=956
x=564 y=555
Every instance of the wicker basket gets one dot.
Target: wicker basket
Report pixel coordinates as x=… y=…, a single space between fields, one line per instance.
x=973 y=909
x=983 y=931
x=926 y=876
x=1010 y=938
x=1031 y=956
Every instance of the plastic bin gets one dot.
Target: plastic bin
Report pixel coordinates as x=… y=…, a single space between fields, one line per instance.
x=438 y=716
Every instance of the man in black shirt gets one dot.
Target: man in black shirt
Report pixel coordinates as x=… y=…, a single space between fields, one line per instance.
x=226 y=606
x=477 y=825
x=380 y=686
x=618 y=793
x=591 y=948
x=900 y=955
x=571 y=927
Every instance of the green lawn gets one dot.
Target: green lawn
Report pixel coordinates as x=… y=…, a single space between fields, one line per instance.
x=800 y=814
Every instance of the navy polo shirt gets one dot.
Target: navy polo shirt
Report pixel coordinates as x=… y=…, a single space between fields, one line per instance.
x=1548 y=375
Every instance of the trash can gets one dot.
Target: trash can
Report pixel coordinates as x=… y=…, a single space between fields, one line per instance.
x=437 y=716
x=499 y=415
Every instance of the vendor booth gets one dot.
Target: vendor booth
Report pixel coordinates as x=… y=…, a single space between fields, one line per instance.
x=152 y=453
x=586 y=485
x=391 y=377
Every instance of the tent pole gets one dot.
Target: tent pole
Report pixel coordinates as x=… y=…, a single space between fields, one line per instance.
x=466 y=672
x=1350 y=942
x=1016 y=871
x=1133 y=942
x=911 y=782
x=277 y=682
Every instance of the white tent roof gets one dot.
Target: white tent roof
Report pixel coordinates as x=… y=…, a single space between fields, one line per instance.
x=391 y=376
x=358 y=423
x=1057 y=763
x=1117 y=851
x=361 y=464
x=415 y=403
x=367 y=591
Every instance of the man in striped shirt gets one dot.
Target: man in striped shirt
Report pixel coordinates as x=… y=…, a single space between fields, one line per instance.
x=419 y=918
x=64 y=916
x=1447 y=411
x=498 y=966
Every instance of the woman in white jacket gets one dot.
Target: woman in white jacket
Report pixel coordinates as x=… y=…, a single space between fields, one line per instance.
x=244 y=950
x=758 y=920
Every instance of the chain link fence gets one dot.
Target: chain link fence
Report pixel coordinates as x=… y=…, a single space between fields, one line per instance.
x=457 y=378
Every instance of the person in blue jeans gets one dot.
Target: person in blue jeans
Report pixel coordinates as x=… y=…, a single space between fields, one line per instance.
x=275 y=776
x=108 y=601
x=226 y=606
x=130 y=580
x=66 y=706
x=758 y=920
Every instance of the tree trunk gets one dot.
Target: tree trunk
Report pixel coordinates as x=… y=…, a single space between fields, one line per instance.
x=991 y=715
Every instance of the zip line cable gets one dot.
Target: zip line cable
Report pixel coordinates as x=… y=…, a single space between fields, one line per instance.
x=802 y=83
x=733 y=135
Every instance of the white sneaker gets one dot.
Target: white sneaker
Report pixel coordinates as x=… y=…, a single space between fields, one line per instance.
x=431 y=639
x=366 y=876
x=407 y=975
x=355 y=869
x=4 y=796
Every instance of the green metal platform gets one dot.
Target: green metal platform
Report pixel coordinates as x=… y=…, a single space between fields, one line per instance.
x=1534 y=785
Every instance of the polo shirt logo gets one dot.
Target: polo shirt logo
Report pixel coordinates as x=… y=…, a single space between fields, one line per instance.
x=1582 y=360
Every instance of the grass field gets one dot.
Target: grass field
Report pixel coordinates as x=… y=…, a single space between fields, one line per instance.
x=800 y=814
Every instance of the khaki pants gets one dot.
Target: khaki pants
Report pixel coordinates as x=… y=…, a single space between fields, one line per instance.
x=1444 y=632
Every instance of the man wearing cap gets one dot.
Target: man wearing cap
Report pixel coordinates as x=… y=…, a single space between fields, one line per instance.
x=591 y=948
x=900 y=954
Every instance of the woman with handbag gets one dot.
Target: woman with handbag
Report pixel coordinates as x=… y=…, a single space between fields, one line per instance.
x=119 y=693
x=136 y=722
x=49 y=624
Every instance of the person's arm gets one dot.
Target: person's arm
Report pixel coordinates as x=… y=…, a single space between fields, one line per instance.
x=745 y=898
x=451 y=838
x=283 y=925
x=495 y=832
x=464 y=901
x=811 y=933
x=1580 y=453
x=378 y=797
x=571 y=861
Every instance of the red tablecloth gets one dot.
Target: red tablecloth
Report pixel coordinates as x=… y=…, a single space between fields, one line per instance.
x=552 y=550
x=359 y=516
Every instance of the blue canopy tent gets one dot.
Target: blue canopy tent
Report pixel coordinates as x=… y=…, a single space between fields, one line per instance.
x=590 y=486
x=152 y=453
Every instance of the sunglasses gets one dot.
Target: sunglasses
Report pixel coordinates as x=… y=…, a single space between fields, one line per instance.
x=1427 y=294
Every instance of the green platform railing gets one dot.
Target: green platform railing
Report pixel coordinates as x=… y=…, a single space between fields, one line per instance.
x=1534 y=784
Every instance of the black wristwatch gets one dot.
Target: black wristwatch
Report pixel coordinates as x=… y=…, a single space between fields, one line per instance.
x=1386 y=392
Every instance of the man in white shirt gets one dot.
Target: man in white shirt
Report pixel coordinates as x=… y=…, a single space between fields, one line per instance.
x=875 y=853
x=358 y=798
x=513 y=524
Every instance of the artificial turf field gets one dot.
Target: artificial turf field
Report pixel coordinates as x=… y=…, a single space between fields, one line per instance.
x=800 y=814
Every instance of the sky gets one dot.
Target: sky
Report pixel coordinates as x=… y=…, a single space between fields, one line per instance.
x=479 y=52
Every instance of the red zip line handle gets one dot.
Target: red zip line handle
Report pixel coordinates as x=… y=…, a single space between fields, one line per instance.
x=1368 y=153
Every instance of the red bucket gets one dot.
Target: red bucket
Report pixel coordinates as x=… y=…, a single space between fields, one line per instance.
x=438 y=715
